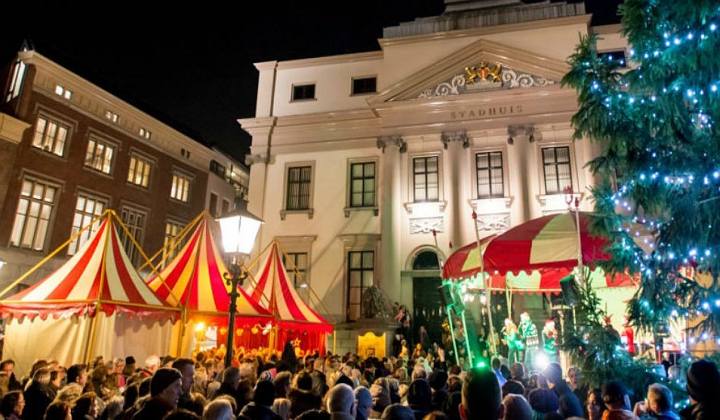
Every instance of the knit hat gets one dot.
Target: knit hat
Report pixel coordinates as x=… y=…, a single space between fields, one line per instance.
x=163 y=378
x=543 y=401
x=703 y=380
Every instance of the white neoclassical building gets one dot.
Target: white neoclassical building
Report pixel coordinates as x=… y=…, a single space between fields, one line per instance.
x=357 y=159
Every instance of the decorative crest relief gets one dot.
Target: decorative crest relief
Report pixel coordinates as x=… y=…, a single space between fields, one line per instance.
x=493 y=222
x=426 y=225
x=483 y=77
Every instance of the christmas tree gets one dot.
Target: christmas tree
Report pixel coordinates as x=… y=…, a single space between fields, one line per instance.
x=656 y=118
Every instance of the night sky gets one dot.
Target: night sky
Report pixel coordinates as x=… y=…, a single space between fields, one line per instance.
x=192 y=67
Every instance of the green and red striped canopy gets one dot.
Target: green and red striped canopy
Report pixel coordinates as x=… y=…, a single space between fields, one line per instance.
x=533 y=256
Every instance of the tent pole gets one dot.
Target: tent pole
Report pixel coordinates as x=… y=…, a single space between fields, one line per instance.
x=52 y=254
x=103 y=264
x=452 y=333
x=487 y=282
x=181 y=335
x=90 y=347
x=165 y=250
x=334 y=341
x=508 y=297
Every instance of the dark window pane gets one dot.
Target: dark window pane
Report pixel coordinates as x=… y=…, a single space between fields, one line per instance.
x=364 y=85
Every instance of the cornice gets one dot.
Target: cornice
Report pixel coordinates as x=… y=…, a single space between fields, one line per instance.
x=607 y=29
x=331 y=59
x=93 y=101
x=461 y=33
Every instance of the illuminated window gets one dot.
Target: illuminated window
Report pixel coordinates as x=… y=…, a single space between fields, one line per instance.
x=112 y=116
x=32 y=218
x=299 y=180
x=99 y=155
x=87 y=208
x=180 y=188
x=50 y=135
x=144 y=133
x=556 y=168
x=170 y=244
x=489 y=172
x=425 y=179
x=139 y=172
x=62 y=91
x=16 y=83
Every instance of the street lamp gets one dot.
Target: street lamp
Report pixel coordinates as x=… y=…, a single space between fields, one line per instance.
x=238 y=229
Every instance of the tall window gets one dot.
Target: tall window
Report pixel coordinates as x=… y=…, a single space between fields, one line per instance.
x=135 y=222
x=489 y=171
x=296 y=264
x=213 y=204
x=50 y=135
x=362 y=184
x=99 y=155
x=361 y=266
x=298 y=188
x=32 y=219
x=16 y=83
x=556 y=168
x=172 y=229
x=180 y=188
x=87 y=207
x=139 y=172
x=425 y=178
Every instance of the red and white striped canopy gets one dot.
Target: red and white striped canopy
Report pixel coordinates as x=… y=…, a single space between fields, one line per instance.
x=194 y=280
x=99 y=276
x=544 y=249
x=272 y=288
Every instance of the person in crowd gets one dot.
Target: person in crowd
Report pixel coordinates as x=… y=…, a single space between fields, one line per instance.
x=481 y=396
x=364 y=403
x=58 y=410
x=261 y=406
x=397 y=412
x=220 y=409
x=569 y=404
x=341 y=402
x=657 y=405
x=152 y=364
x=12 y=405
x=302 y=397
x=438 y=384
x=78 y=374
x=113 y=409
x=543 y=402
x=594 y=405
x=703 y=387
x=419 y=398
x=38 y=395
x=282 y=383
x=186 y=367
x=516 y=407
x=281 y=407
x=165 y=390
x=512 y=387
x=85 y=407
x=7 y=368
x=496 y=365
x=517 y=373
x=617 y=402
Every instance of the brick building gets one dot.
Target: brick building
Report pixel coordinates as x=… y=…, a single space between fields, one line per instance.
x=70 y=150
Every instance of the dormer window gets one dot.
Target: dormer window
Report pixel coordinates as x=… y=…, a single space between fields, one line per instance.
x=62 y=91
x=145 y=133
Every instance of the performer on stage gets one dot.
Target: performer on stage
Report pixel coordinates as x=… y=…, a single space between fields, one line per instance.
x=628 y=338
x=549 y=337
x=512 y=340
x=529 y=334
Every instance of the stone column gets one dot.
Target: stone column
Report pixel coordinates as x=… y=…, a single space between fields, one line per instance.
x=456 y=143
x=390 y=215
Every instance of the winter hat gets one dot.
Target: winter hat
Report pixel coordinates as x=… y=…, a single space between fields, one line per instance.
x=163 y=378
x=543 y=401
x=363 y=397
x=438 y=379
x=703 y=380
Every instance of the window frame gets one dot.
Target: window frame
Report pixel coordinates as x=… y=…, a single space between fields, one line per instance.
x=362 y=269
x=357 y=78
x=176 y=172
x=151 y=162
x=79 y=241
x=171 y=221
x=290 y=269
x=489 y=170
x=413 y=173
x=363 y=178
x=303 y=85
x=59 y=186
x=17 y=80
x=543 y=168
x=58 y=121
x=133 y=230
x=286 y=188
x=100 y=139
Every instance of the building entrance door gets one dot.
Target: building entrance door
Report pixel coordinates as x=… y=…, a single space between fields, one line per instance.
x=427 y=310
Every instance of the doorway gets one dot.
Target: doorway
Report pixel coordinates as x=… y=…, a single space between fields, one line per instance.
x=427 y=310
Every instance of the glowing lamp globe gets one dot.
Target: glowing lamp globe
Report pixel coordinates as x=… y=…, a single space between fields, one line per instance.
x=239 y=229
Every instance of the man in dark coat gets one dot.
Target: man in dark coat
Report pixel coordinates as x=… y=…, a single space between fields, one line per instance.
x=703 y=387
x=569 y=404
x=165 y=390
x=302 y=398
x=261 y=406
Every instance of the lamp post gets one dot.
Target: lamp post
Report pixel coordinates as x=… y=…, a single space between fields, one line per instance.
x=238 y=229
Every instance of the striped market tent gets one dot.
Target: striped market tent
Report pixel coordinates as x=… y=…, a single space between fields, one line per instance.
x=193 y=281
x=534 y=256
x=88 y=306
x=294 y=319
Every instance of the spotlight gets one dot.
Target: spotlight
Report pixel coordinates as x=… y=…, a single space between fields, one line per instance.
x=541 y=361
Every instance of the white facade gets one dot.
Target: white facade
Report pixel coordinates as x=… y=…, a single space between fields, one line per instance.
x=420 y=110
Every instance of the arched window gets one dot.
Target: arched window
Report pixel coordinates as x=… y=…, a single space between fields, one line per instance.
x=426 y=260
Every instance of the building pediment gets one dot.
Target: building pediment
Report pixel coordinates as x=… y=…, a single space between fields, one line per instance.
x=479 y=67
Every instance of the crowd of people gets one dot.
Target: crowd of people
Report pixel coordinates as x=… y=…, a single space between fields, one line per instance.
x=268 y=386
